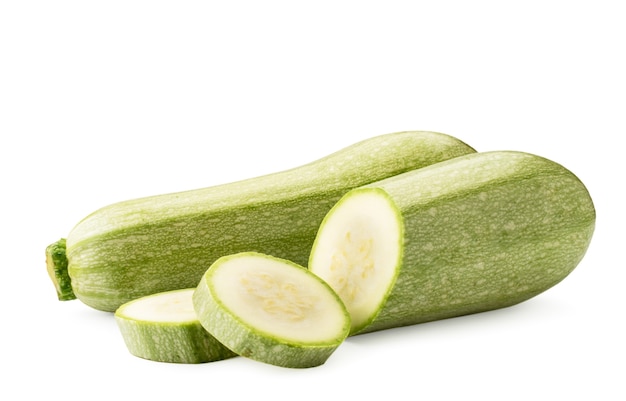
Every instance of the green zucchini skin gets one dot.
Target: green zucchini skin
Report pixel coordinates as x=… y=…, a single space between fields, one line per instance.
x=139 y=247
x=56 y=263
x=185 y=344
x=481 y=232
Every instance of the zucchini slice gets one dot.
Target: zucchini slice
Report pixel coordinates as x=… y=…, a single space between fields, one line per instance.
x=271 y=310
x=163 y=327
x=471 y=234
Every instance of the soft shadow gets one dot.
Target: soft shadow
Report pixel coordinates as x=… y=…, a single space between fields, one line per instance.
x=500 y=319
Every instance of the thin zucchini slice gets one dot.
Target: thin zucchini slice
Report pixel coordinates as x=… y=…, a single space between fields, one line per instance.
x=163 y=327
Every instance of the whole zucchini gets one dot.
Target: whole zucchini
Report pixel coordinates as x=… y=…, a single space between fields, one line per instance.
x=476 y=233
x=139 y=247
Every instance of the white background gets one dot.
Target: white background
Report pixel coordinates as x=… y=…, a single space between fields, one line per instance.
x=106 y=101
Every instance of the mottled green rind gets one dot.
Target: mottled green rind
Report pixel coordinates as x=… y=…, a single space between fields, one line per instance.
x=251 y=343
x=56 y=263
x=482 y=232
x=139 y=247
x=174 y=342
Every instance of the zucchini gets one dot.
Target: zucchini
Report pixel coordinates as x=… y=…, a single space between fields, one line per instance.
x=271 y=310
x=139 y=247
x=163 y=327
x=471 y=234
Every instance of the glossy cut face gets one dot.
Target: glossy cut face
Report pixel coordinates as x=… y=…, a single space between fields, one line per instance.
x=357 y=252
x=172 y=306
x=279 y=299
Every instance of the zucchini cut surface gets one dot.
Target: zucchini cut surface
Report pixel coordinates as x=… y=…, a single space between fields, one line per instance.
x=359 y=251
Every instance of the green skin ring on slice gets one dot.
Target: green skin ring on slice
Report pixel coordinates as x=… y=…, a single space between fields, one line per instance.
x=271 y=310
x=467 y=235
x=163 y=327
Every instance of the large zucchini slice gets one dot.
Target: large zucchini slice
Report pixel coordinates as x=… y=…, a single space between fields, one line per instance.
x=271 y=310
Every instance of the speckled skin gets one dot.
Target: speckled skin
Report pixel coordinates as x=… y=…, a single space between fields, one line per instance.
x=143 y=246
x=182 y=343
x=481 y=232
x=56 y=262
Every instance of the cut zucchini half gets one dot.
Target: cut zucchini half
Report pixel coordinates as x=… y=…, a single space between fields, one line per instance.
x=163 y=327
x=271 y=310
x=467 y=235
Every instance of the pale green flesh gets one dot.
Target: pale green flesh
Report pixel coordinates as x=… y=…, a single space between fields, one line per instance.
x=160 y=243
x=479 y=232
x=167 y=307
x=271 y=310
x=359 y=251
x=163 y=327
